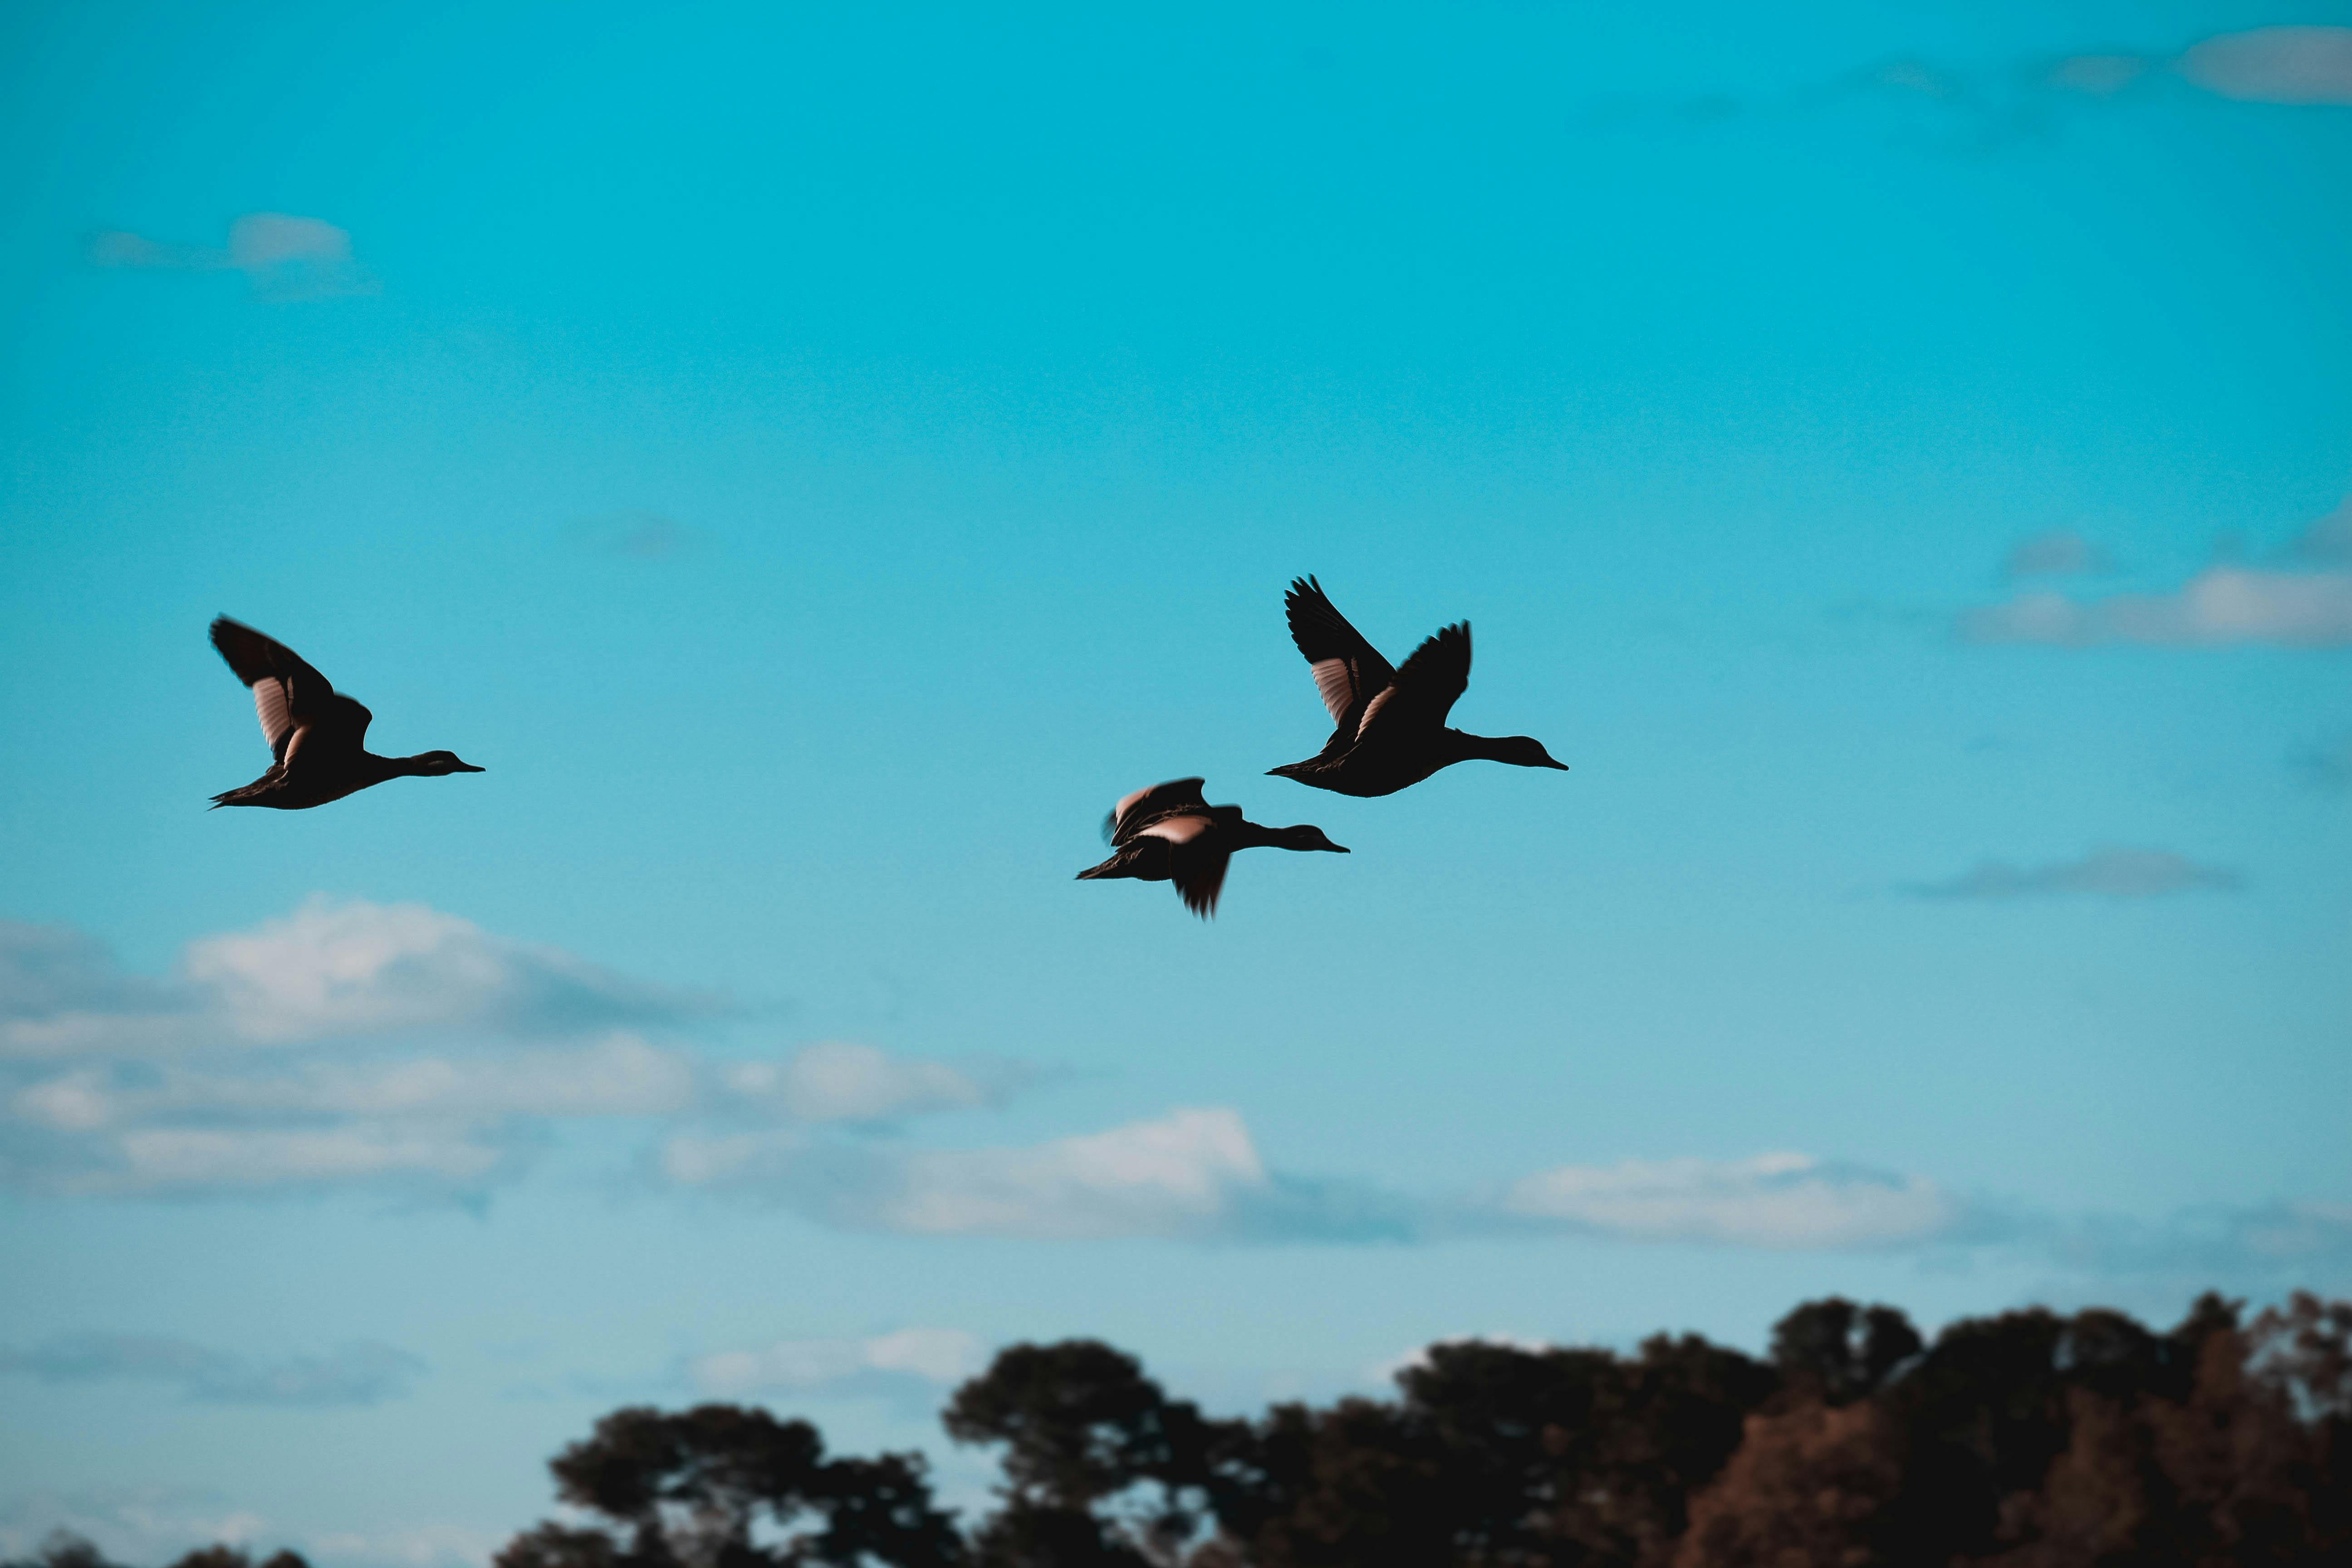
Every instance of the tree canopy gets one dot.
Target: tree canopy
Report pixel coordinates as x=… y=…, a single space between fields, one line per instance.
x=2024 y=1440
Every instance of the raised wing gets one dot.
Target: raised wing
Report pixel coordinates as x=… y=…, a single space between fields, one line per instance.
x=1139 y=811
x=1348 y=671
x=1431 y=682
x=287 y=694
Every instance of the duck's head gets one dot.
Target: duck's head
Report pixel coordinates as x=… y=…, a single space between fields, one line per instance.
x=1305 y=836
x=434 y=765
x=1522 y=751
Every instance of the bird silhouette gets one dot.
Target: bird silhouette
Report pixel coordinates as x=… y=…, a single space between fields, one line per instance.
x=317 y=735
x=1390 y=729
x=1168 y=833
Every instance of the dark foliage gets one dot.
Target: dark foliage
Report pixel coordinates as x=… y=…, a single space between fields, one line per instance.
x=689 y=1490
x=2026 y=1440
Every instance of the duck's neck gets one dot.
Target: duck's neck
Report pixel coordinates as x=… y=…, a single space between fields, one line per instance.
x=381 y=768
x=1258 y=835
x=1461 y=746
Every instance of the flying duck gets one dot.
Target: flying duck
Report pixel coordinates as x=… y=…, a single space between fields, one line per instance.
x=316 y=734
x=1390 y=723
x=1169 y=834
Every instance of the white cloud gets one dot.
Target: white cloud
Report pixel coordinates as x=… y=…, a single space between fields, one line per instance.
x=358 y=1374
x=836 y=1081
x=2221 y=604
x=1189 y=1172
x=331 y=970
x=932 y=1356
x=328 y=970
x=361 y=1045
x=284 y=258
x=2112 y=873
x=1781 y=1201
x=2274 y=65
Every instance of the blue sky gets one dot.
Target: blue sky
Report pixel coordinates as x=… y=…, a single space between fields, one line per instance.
x=1897 y=455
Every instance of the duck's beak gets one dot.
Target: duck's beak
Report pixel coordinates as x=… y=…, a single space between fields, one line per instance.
x=470 y=768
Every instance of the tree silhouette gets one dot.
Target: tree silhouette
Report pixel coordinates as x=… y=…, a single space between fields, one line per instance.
x=690 y=1488
x=2028 y=1439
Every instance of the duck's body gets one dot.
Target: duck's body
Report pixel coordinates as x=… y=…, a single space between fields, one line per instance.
x=317 y=735
x=1169 y=833
x=1388 y=724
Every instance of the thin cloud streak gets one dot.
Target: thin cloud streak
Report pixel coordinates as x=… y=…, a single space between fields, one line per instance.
x=924 y=1358
x=284 y=259
x=354 y=1374
x=2274 y=65
x=1987 y=107
x=2112 y=873
x=1780 y=1202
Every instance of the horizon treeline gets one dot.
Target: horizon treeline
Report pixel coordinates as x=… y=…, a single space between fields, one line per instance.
x=2028 y=1439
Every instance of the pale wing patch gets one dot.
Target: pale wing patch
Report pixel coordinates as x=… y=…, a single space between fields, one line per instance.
x=1119 y=812
x=1337 y=682
x=1177 y=829
x=1372 y=709
x=271 y=706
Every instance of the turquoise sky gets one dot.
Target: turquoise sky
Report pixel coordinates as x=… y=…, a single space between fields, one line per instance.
x=1897 y=455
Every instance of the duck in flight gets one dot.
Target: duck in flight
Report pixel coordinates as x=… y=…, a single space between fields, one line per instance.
x=1168 y=833
x=1391 y=729
x=316 y=734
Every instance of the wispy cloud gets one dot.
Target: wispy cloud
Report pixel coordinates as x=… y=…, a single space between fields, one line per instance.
x=1986 y=106
x=2112 y=873
x=2302 y=600
x=383 y=1047
x=1184 y=1174
x=1197 y=1176
x=2221 y=604
x=839 y=1081
x=284 y=259
x=923 y=1358
x=329 y=971
x=2274 y=65
x=1779 y=1201
x=2058 y=553
x=358 y=1373
x=2328 y=541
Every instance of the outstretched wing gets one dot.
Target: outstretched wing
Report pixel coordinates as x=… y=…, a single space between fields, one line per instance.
x=287 y=694
x=1431 y=682
x=1139 y=811
x=1348 y=671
